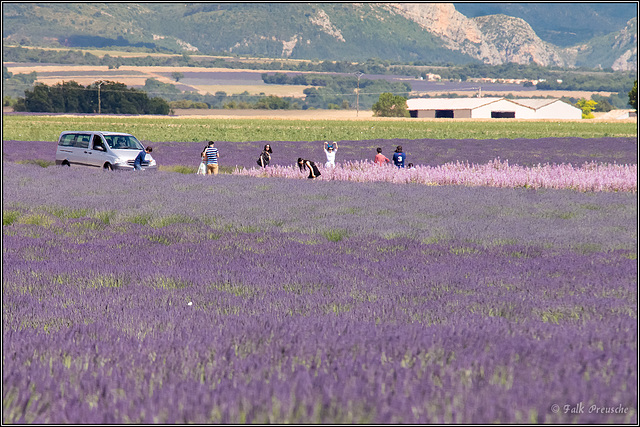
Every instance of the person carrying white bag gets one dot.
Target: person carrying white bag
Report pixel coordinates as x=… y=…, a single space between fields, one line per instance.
x=202 y=169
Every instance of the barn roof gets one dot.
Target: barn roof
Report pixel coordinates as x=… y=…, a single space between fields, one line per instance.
x=472 y=103
x=448 y=103
x=533 y=103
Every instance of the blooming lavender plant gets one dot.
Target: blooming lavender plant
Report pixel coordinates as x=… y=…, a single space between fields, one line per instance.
x=426 y=152
x=164 y=298
x=589 y=177
x=429 y=213
x=383 y=330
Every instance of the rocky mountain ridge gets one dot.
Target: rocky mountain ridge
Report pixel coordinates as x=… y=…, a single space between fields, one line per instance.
x=498 y=39
x=432 y=33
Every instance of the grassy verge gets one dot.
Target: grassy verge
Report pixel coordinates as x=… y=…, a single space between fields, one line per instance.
x=157 y=129
x=189 y=170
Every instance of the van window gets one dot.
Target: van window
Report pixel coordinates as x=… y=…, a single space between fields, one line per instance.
x=98 y=144
x=83 y=141
x=123 y=142
x=67 y=140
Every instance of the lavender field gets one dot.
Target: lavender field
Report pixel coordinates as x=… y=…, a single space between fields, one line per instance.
x=425 y=152
x=166 y=297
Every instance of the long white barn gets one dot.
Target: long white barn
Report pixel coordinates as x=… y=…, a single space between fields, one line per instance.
x=488 y=108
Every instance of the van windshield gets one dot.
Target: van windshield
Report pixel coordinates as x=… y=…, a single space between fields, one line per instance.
x=123 y=142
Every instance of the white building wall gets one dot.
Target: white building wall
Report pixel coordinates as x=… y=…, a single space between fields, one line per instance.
x=560 y=111
x=484 y=112
x=481 y=108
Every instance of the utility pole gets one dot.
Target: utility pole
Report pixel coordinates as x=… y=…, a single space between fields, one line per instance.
x=358 y=75
x=99 y=84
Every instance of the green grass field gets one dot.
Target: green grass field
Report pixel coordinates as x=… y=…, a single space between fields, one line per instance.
x=158 y=129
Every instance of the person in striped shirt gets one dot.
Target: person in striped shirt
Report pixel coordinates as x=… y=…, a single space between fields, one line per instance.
x=211 y=154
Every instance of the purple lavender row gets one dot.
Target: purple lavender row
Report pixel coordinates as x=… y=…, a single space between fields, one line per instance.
x=308 y=309
x=98 y=328
x=589 y=177
x=560 y=218
x=426 y=152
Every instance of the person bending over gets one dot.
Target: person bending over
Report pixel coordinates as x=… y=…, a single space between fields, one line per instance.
x=311 y=166
x=137 y=163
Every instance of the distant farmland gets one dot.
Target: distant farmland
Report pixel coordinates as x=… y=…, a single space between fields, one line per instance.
x=234 y=81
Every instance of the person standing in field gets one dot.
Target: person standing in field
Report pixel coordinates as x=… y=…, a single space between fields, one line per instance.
x=202 y=168
x=212 y=155
x=330 y=150
x=137 y=163
x=380 y=158
x=265 y=156
x=399 y=157
x=308 y=164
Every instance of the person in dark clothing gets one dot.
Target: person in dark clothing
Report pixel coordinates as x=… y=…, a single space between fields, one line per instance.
x=308 y=164
x=265 y=156
x=399 y=157
x=137 y=163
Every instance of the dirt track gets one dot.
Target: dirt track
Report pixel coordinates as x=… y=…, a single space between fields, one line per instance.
x=278 y=114
x=335 y=115
x=347 y=115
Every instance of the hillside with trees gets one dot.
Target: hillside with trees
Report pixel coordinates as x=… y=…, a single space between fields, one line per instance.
x=324 y=31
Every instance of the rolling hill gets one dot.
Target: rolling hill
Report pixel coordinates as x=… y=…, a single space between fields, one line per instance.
x=428 y=33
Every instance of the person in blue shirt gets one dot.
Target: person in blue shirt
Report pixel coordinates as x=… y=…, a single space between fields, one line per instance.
x=398 y=157
x=137 y=163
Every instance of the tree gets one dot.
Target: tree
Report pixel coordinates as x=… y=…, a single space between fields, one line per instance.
x=272 y=102
x=177 y=75
x=38 y=99
x=70 y=97
x=633 y=96
x=587 y=107
x=6 y=74
x=390 y=105
x=603 y=105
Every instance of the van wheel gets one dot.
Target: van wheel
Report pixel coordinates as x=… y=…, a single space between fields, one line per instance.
x=107 y=167
x=65 y=163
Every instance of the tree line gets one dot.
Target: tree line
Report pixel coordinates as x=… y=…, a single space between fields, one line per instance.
x=101 y=97
x=115 y=98
x=327 y=92
x=572 y=78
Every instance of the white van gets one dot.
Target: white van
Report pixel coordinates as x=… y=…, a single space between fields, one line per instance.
x=107 y=150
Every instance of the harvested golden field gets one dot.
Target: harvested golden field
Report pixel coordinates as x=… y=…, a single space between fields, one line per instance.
x=280 y=114
x=611 y=116
x=340 y=115
x=205 y=80
x=295 y=91
x=100 y=53
x=200 y=79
